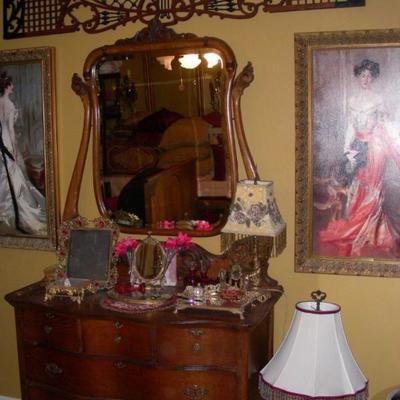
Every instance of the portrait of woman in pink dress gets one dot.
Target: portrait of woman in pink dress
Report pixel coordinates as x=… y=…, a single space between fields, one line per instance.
x=349 y=191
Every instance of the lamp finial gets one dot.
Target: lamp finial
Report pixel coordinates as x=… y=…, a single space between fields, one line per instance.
x=318 y=296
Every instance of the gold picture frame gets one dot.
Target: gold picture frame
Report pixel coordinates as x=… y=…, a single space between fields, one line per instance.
x=86 y=259
x=347 y=152
x=29 y=204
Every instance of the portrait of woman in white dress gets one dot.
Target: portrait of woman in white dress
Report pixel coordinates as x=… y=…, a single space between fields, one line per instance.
x=22 y=199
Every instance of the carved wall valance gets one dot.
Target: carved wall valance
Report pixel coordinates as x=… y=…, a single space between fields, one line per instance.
x=23 y=18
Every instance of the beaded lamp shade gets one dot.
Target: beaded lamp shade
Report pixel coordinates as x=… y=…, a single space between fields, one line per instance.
x=254 y=212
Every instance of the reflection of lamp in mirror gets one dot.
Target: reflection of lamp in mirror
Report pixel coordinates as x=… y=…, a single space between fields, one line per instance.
x=110 y=67
x=314 y=360
x=190 y=61
x=212 y=59
x=166 y=61
x=254 y=216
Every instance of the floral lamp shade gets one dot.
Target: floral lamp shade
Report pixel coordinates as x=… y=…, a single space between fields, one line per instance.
x=255 y=212
x=314 y=360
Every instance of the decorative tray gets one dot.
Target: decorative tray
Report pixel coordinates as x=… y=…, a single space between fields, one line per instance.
x=213 y=298
x=138 y=302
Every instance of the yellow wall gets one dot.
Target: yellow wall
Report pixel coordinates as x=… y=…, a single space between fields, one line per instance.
x=370 y=306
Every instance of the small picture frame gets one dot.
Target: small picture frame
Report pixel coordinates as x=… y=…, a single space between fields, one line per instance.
x=86 y=258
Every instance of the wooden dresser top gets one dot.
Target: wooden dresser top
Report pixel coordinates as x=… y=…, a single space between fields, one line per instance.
x=33 y=295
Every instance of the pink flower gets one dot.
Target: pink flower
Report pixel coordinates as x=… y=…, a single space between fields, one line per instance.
x=184 y=241
x=166 y=224
x=120 y=249
x=170 y=243
x=125 y=245
x=203 y=226
x=131 y=243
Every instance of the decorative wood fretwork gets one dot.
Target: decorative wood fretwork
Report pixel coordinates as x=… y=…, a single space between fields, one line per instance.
x=24 y=18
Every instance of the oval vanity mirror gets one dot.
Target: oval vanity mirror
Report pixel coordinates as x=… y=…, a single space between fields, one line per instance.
x=149 y=262
x=160 y=109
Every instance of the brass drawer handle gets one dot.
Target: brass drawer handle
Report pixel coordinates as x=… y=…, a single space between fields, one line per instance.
x=118 y=325
x=48 y=329
x=50 y=315
x=196 y=332
x=120 y=364
x=196 y=348
x=196 y=392
x=52 y=370
x=117 y=339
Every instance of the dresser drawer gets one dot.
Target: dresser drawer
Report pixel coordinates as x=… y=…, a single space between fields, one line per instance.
x=197 y=346
x=39 y=393
x=74 y=375
x=193 y=385
x=116 y=338
x=52 y=329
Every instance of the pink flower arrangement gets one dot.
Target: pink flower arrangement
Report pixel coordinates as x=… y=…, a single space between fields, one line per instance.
x=202 y=226
x=181 y=242
x=166 y=224
x=125 y=245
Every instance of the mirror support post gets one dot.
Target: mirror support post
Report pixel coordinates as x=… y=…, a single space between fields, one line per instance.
x=72 y=201
x=242 y=81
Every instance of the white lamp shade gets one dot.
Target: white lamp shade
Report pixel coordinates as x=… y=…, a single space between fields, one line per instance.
x=314 y=360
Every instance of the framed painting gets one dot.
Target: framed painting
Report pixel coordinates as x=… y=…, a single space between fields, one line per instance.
x=348 y=152
x=29 y=204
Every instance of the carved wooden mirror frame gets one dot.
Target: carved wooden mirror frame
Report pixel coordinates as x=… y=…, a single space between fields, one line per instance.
x=157 y=37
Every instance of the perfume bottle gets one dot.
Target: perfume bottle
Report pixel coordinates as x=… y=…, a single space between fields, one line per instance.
x=191 y=276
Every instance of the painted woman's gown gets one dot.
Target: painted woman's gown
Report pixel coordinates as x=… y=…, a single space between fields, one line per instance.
x=365 y=230
x=31 y=203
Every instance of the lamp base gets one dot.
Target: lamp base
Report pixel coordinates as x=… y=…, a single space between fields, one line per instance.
x=252 y=254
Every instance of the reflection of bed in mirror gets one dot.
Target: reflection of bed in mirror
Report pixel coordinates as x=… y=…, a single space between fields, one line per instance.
x=163 y=166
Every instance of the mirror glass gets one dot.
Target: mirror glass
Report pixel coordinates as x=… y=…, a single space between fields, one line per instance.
x=163 y=151
x=149 y=262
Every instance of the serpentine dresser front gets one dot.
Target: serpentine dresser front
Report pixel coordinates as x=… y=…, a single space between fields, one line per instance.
x=69 y=351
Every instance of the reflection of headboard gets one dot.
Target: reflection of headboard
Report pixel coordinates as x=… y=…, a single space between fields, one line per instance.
x=183 y=139
x=124 y=158
x=187 y=138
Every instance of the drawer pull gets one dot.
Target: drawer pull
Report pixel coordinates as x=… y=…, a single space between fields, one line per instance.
x=48 y=329
x=52 y=370
x=196 y=347
x=118 y=325
x=195 y=392
x=196 y=332
x=50 y=315
x=120 y=364
x=117 y=339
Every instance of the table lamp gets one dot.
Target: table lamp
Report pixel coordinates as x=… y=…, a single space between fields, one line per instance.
x=314 y=360
x=254 y=215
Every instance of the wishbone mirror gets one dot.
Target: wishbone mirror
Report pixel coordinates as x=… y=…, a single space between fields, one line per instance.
x=149 y=262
